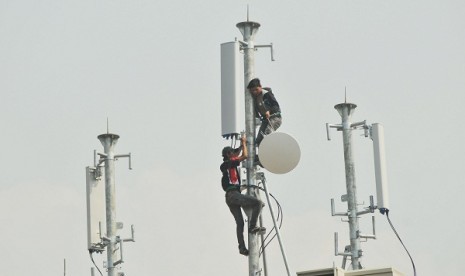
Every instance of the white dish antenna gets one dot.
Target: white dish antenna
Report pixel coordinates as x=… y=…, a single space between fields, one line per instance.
x=279 y=153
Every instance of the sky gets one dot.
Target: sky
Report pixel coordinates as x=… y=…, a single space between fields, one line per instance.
x=153 y=69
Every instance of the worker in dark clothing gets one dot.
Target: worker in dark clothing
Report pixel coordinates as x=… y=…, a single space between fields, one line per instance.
x=231 y=183
x=266 y=108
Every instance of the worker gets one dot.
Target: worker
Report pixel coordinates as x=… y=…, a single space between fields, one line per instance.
x=266 y=108
x=231 y=183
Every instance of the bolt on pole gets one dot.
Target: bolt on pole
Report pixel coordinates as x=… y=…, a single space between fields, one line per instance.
x=108 y=141
x=346 y=110
x=248 y=30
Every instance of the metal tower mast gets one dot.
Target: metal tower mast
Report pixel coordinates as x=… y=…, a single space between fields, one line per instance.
x=108 y=141
x=354 y=250
x=97 y=240
x=345 y=110
x=248 y=30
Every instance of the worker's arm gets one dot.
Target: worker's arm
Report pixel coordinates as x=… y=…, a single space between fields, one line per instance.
x=272 y=103
x=244 y=148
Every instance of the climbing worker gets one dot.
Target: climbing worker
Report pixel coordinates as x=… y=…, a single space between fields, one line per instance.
x=266 y=108
x=231 y=182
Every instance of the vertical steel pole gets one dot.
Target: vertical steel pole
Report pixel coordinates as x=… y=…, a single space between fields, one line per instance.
x=345 y=110
x=108 y=141
x=262 y=240
x=248 y=30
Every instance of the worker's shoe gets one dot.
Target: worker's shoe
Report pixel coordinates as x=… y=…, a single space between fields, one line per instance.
x=257 y=229
x=243 y=251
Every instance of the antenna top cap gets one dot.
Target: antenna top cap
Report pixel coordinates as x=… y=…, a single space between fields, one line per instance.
x=248 y=28
x=248 y=24
x=108 y=135
x=340 y=107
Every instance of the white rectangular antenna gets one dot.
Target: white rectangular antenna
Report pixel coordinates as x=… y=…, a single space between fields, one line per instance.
x=95 y=196
x=232 y=89
x=377 y=134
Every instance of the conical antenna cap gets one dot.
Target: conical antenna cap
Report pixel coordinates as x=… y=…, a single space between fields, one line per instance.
x=104 y=136
x=350 y=106
x=342 y=106
x=248 y=28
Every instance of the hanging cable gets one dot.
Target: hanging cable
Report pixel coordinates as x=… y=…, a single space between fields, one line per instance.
x=262 y=248
x=265 y=242
x=92 y=258
x=279 y=219
x=395 y=232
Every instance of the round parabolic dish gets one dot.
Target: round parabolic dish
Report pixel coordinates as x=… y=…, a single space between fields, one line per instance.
x=279 y=153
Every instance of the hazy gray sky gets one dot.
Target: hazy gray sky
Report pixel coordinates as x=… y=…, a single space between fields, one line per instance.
x=153 y=68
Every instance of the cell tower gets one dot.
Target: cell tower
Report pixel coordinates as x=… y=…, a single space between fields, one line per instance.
x=100 y=197
x=233 y=91
x=375 y=131
x=233 y=88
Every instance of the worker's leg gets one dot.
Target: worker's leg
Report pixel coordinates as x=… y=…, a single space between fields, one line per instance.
x=275 y=124
x=267 y=127
x=237 y=214
x=261 y=132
